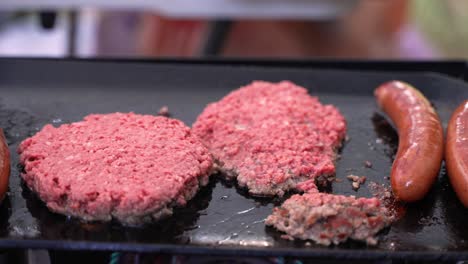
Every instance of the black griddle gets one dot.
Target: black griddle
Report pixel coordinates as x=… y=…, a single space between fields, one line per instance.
x=223 y=219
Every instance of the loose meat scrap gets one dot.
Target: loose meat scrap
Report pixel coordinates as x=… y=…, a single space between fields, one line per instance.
x=327 y=218
x=272 y=136
x=164 y=111
x=275 y=137
x=130 y=167
x=356 y=181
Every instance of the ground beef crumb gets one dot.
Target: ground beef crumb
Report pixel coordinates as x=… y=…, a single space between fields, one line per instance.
x=356 y=181
x=164 y=111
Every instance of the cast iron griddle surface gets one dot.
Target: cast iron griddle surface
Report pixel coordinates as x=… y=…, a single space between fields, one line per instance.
x=222 y=219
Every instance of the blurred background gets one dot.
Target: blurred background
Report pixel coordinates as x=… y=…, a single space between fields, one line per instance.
x=397 y=29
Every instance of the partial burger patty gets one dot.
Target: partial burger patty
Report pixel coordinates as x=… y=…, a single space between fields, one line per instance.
x=130 y=167
x=272 y=137
x=327 y=218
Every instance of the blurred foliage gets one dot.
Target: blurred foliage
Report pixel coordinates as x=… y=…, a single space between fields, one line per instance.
x=445 y=24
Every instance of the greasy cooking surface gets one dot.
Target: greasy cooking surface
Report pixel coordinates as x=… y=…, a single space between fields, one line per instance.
x=34 y=93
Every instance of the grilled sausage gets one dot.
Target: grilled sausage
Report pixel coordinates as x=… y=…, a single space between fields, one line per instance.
x=4 y=165
x=421 y=139
x=456 y=152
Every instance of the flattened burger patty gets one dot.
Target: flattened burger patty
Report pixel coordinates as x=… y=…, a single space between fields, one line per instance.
x=328 y=218
x=130 y=167
x=272 y=136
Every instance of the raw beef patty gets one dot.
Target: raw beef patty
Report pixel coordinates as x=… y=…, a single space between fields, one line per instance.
x=273 y=137
x=133 y=168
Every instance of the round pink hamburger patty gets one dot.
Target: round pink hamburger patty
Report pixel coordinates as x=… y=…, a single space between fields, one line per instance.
x=130 y=167
x=272 y=137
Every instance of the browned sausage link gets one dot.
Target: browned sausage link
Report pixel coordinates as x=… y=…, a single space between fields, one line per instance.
x=421 y=139
x=456 y=152
x=4 y=165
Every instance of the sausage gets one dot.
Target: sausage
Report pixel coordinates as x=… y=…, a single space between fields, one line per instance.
x=421 y=139
x=456 y=152
x=4 y=165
